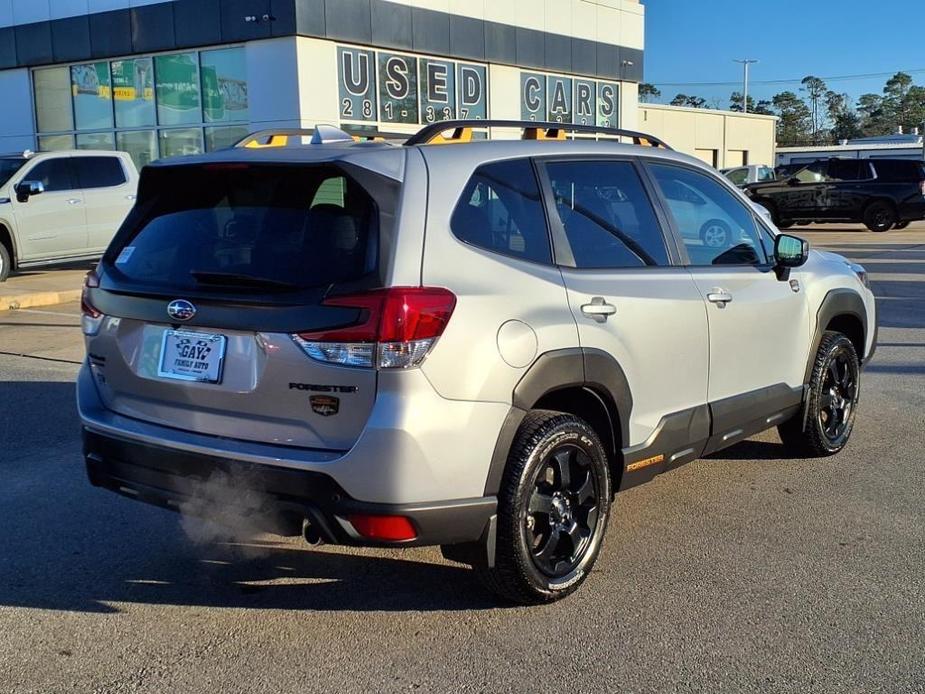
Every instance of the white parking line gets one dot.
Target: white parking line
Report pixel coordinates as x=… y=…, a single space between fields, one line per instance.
x=47 y=313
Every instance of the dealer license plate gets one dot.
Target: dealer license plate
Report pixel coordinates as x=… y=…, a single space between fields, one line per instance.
x=191 y=356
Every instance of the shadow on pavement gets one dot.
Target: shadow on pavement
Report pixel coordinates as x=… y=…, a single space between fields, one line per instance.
x=66 y=545
x=752 y=450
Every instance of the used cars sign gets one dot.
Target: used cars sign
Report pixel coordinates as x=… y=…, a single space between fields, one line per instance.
x=393 y=87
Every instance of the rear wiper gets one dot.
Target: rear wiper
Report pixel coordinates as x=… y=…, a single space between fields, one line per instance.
x=233 y=279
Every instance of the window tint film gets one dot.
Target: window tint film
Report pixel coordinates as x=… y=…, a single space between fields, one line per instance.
x=606 y=213
x=249 y=229
x=897 y=170
x=848 y=170
x=500 y=211
x=54 y=174
x=8 y=167
x=98 y=172
x=716 y=227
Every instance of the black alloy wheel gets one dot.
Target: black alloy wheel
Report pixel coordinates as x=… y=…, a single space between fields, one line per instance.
x=562 y=511
x=879 y=216
x=838 y=396
x=824 y=423
x=553 y=507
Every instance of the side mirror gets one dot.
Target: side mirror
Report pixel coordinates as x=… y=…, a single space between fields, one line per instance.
x=790 y=251
x=793 y=181
x=27 y=189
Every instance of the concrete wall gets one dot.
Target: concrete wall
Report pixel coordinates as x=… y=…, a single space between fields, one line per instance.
x=619 y=22
x=721 y=138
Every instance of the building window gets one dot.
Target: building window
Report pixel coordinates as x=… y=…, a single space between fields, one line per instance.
x=224 y=85
x=176 y=83
x=96 y=141
x=53 y=143
x=53 y=99
x=176 y=142
x=133 y=89
x=226 y=136
x=148 y=106
x=92 y=93
x=140 y=144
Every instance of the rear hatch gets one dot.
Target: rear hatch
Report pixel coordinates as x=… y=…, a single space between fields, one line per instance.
x=216 y=271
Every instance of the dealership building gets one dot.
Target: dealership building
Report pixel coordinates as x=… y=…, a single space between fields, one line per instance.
x=161 y=78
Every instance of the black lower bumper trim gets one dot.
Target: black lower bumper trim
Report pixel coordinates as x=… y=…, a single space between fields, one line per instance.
x=273 y=499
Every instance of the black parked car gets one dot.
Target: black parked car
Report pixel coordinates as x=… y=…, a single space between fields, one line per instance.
x=884 y=194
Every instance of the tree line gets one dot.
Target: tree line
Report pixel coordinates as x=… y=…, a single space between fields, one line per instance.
x=817 y=115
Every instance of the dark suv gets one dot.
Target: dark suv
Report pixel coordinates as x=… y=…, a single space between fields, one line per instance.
x=883 y=194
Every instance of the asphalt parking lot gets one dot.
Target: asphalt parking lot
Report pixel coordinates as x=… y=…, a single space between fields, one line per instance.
x=746 y=571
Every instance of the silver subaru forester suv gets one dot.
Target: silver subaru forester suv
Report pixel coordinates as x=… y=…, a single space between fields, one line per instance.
x=464 y=342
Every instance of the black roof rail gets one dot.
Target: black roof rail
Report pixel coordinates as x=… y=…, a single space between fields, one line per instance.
x=431 y=132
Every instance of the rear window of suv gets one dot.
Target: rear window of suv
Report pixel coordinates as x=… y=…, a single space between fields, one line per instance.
x=897 y=170
x=260 y=228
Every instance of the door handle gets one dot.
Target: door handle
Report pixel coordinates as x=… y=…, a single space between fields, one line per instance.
x=720 y=297
x=73 y=201
x=598 y=309
x=130 y=197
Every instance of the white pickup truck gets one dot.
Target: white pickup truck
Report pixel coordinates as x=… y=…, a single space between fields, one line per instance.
x=65 y=206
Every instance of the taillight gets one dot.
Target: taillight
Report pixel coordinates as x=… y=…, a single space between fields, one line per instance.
x=397 y=329
x=91 y=318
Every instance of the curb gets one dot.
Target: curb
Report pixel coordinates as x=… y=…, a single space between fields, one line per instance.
x=36 y=299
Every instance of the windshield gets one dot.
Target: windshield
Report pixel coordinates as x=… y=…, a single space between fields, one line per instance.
x=9 y=166
x=250 y=229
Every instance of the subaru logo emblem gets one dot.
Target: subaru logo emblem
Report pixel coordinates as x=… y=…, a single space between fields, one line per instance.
x=181 y=309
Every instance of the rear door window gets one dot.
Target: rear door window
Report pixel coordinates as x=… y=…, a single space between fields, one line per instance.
x=249 y=228
x=848 y=170
x=98 y=172
x=606 y=214
x=500 y=210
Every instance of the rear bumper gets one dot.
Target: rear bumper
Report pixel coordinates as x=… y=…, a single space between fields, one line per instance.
x=911 y=211
x=265 y=497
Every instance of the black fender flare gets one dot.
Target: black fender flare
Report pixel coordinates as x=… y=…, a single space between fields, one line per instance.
x=838 y=302
x=593 y=369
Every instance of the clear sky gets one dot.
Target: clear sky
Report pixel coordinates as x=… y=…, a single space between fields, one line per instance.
x=697 y=40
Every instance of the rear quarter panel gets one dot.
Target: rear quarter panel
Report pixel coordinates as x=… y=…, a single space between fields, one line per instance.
x=503 y=303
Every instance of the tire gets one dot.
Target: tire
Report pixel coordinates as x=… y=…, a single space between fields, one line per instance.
x=6 y=263
x=879 y=216
x=715 y=233
x=831 y=403
x=901 y=225
x=536 y=558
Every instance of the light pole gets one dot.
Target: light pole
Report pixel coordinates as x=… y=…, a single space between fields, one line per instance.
x=745 y=63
